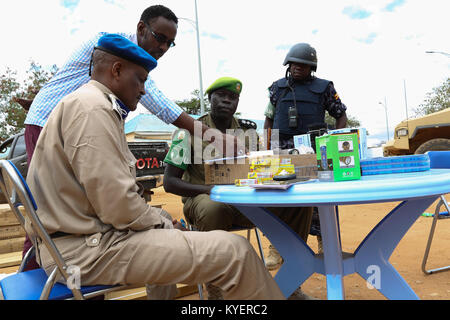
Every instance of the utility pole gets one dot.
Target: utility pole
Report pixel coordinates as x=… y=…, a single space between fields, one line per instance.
x=195 y=25
x=385 y=110
x=406 y=102
x=202 y=101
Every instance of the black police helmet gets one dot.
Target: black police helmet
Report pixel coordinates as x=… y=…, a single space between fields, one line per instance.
x=302 y=53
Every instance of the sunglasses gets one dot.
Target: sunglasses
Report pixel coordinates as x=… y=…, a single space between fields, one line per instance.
x=160 y=37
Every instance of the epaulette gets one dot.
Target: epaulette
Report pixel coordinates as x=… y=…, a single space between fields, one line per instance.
x=247 y=124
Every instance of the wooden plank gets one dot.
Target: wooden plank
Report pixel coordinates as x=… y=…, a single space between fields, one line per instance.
x=7 y=217
x=141 y=293
x=11 y=245
x=10 y=259
x=8 y=270
x=8 y=232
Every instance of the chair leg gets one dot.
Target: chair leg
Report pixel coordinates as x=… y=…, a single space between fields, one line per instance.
x=199 y=285
x=30 y=254
x=261 y=252
x=442 y=201
x=200 y=291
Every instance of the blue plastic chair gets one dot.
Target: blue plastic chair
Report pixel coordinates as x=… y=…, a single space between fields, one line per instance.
x=438 y=160
x=35 y=284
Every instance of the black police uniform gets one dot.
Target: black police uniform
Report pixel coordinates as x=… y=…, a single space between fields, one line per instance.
x=301 y=105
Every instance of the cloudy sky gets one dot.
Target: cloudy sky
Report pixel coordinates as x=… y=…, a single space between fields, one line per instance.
x=368 y=48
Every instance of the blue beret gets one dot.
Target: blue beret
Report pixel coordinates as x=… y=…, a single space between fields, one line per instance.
x=126 y=49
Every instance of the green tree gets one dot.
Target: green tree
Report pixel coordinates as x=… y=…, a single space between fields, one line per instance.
x=192 y=105
x=436 y=100
x=12 y=114
x=352 y=122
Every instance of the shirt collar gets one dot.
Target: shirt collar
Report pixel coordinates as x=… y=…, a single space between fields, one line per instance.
x=117 y=105
x=124 y=111
x=210 y=122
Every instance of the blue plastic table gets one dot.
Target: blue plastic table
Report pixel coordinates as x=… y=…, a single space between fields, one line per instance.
x=416 y=191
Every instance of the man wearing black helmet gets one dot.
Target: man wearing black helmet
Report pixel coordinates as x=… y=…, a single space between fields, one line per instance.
x=297 y=105
x=299 y=100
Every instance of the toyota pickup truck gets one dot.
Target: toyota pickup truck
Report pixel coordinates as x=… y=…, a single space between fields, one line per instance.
x=149 y=165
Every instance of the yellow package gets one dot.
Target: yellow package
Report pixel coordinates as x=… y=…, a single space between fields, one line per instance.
x=260 y=175
x=245 y=182
x=289 y=168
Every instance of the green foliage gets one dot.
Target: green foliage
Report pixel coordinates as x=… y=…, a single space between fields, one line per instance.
x=12 y=114
x=352 y=122
x=436 y=100
x=192 y=106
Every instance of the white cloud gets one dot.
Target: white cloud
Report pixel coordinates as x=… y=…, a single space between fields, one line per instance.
x=249 y=40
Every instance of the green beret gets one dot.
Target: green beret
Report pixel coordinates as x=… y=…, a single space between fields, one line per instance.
x=228 y=83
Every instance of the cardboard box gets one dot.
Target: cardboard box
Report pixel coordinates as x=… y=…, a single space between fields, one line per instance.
x=226 y=173
x=339 y=154
x=362 y=139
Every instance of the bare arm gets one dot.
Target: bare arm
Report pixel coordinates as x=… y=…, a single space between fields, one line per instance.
x=342 y=121
x=174 y=184
x=268 y=123
x=185 y=121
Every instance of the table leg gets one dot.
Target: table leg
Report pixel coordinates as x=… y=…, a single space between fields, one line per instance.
x=299 y=259
x=334 y=269
x=372 y=255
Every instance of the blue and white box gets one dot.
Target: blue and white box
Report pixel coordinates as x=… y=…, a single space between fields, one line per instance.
x=362 y=139
x=303 y=139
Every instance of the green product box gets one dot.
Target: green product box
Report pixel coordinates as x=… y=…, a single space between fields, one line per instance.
x=338 y=157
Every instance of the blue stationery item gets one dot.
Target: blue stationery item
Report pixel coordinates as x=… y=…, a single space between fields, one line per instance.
x=398 y=164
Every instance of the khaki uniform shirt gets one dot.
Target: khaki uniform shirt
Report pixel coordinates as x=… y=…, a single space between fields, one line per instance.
x=83 y=175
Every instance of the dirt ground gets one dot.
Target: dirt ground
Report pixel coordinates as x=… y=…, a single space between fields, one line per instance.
x=356 y=221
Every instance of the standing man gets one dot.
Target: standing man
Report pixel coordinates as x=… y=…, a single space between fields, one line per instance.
x=299 y=100
x=185 y=178
x=297 y=104
x=155 y=33
x=91 y=207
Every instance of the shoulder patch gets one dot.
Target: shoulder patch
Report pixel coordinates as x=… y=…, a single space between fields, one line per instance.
x=247 y=124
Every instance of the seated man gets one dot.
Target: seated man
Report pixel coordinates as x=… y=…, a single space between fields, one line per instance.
x=83 y=178
x=184 y=177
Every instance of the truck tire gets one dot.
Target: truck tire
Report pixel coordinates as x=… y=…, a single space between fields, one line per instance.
x=433 y=145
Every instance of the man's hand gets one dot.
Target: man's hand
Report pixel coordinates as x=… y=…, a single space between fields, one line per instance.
x=25 y=103
x=228 y=145
x=178 y=225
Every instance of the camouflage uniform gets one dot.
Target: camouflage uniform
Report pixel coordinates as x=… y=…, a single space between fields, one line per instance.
x=206 y=214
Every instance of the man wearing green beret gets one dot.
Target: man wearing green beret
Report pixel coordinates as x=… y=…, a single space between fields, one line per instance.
x=184 y=176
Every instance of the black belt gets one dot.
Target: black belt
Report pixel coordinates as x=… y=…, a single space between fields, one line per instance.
x=59 y=234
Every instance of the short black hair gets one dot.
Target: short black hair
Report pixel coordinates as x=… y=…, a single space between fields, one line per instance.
x=156 y=11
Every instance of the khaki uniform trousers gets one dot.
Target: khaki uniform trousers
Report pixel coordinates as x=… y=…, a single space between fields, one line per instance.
x=206 y=214
x=165 y=257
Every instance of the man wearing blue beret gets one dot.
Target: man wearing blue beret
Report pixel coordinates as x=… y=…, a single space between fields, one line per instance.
x=83 y=178
x=155 y=33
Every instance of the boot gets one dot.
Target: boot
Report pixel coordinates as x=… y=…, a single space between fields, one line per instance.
x=298 y=294
x=214 y=293
x=319 y=244
x=273 y=260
